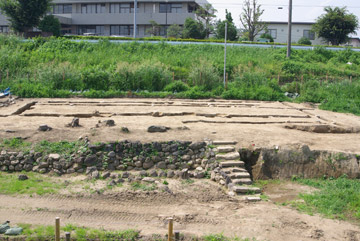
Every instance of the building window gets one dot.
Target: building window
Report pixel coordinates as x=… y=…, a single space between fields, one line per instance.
x=170 y=7
x=4 y=29
x=191 y=8
x=92 y=8
x=62 y=8
x=309 y=34
x=272 y=32
x=91 y=29
x=122 y=8
x=122 y=30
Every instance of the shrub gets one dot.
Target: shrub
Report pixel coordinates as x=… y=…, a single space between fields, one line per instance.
x=177 y=86
x=304 y=41
x=204 y=74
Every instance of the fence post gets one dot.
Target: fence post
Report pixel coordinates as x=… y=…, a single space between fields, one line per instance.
x=170 y=233
x=57 y=229
x=226 y=81
x=7 y=74
x=67 y=236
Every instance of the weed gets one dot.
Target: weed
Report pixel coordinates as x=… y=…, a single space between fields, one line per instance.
x=143 y=186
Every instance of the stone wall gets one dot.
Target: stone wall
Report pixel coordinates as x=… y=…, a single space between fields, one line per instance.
x=122 y=156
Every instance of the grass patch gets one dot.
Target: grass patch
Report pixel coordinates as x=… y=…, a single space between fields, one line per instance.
x=143 y=186
x=35 y=233
x=187 y=182
x=336 y=198
x=36 y=184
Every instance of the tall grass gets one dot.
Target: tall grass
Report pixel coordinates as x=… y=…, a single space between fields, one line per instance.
x=58 y=67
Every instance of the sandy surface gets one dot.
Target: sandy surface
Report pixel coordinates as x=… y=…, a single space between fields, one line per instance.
x=198 y=209
x=247 y=122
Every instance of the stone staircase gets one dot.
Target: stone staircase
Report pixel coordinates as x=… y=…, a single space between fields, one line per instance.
x=231 y=172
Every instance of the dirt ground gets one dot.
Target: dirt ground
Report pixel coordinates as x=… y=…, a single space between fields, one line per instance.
x=247 y=122
x=198 y=208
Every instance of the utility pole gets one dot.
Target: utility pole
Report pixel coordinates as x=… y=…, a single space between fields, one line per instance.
x=225 y=53
x=288 y=55
x=166 y=18
x=135 y=10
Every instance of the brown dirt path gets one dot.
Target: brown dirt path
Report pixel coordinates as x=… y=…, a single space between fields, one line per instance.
x=198 y=209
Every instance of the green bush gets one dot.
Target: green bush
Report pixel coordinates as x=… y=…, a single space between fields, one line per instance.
x=203 y=73
x=177 y=86
x=304 y=41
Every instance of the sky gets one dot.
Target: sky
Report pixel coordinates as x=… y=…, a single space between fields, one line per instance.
x=303 y=10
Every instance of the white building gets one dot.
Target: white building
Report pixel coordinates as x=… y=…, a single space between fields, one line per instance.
x=116 y=17
x=279 y=32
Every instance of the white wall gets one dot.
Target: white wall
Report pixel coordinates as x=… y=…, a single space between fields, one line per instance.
x=297 y=32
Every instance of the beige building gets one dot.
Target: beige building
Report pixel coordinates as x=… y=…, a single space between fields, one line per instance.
x=116 y=17
x=279 y=32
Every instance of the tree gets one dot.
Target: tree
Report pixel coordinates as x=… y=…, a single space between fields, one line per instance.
x=174 y=31
x=206 y=15
x=193 y=29
x=335 y=25
x=231 y=31
x=50 y=24
x=250 y=18
x=155 y=28
x=24 y=14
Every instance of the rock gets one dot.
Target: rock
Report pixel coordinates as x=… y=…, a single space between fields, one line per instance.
x=171 y=166
x=106 y=175
x=148 y=179
x=54 y=156
x=162 y=174
x=161 y=165
x=197 y=145
x=138 y=164
x=120 y=180
x=114 y=175
x=112 y=154
x=74 y=123
x=143 y=174
x=199 y=174
x=183 y=128
x=153 y=173
x=148 y=165
x=23 y=177
x=186 y=158
x=112 y=183
x=183 y=174
x=90 y=160
x=125 y=129
x=90 y=170
x=109 y=123
x=95 y=174
x=153 y=129
x=43 y=165
x=125 y=175
x=44 y=128
x=170 y=174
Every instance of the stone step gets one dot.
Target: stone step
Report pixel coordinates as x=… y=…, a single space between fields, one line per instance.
x=228 y=156
x=252 y=199
x=230 y=170
x=238 y=175
x=232 y=164
x=218 y=143
x=241 y=181
x=225 y=149
x=245 y=190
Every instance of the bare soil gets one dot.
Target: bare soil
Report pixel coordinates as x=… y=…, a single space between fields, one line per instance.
x=247 y=122
x=198 y=208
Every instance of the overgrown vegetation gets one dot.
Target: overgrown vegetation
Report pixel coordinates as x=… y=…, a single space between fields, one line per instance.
x=336 y=198
x=64 y=68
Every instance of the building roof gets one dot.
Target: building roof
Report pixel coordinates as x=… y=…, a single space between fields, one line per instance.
x=278 y=22
x=200 y=2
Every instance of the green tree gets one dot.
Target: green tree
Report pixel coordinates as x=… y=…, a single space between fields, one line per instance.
x=206 y=15
x=24 y=14
x=174 y=31
x=193 y=29
x=232 y=33
x=304 y=41
x=155 y=28
x=250 y=18
x=335 y=25
x=50 y=24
